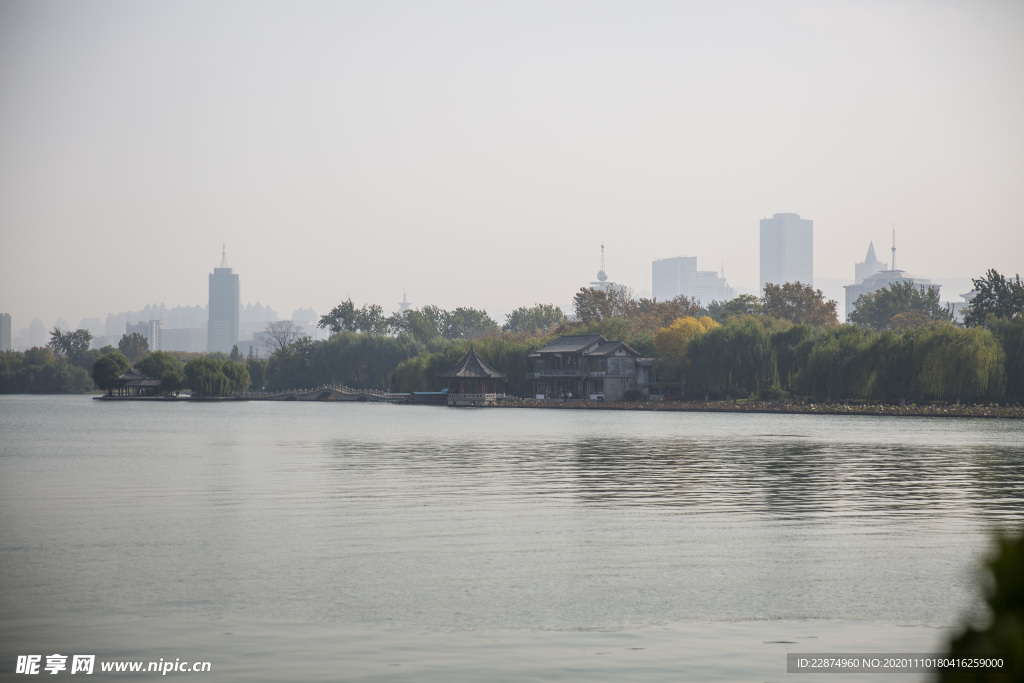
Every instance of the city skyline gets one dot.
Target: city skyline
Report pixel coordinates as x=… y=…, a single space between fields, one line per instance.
x=351 y=151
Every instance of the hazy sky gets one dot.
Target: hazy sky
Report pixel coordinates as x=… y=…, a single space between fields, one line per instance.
x=479 y=153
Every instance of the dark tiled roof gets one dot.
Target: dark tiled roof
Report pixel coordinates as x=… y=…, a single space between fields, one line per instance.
x=135 y=378
x=609 y=347
x=570 y=343
x=473 y=366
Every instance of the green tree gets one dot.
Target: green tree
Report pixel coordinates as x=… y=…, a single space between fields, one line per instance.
x=426 y=324
x=237 y=374
x=1009 y=332
x=134 y=346
x=468 y=323
x=205 y=377
x=591 y=304
x=291 y=367
x=744 y=304
x=996 y=295
x=72 y=345
x=839 y=365
x=901 y=305
x=165 y=367
x=800 y=304
x=735 y=359
x=38 y=371
x=108 y=368
x=1004 y=634
x=346 y=317
x=342 y=317
x=257 y=368
x=670 y=343
x=792 y=347
x=958 y=364
x=650 y=315
x=534 y=318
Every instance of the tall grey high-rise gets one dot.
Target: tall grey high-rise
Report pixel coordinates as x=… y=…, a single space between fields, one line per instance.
x=787 y=249
x=5 y=332
x=225 y=297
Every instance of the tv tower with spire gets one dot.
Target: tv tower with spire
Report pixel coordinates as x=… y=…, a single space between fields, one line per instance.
x=404 y=304
x=603 y=284
x=873 y=276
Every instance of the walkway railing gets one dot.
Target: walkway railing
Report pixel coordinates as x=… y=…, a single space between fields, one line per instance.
x=336 y=389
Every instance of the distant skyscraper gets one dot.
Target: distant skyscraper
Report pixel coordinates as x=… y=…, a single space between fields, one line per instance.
x=672 y=277
x=225 y=298
x=868 y=267
x=5 y=332
x=787 y=249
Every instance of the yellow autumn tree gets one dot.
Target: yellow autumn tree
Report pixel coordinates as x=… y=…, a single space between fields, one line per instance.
x=670 y=342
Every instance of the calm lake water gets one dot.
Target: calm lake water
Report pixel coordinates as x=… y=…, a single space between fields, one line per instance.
x=332 y=541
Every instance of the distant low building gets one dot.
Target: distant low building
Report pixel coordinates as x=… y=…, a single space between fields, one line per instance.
x=678 y=276
x=586 y=366
x=868 y=267
x=151 y=330
x=881 y=280
x=191 y=340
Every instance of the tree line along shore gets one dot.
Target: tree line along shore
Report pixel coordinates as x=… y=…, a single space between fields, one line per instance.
x=901 y=347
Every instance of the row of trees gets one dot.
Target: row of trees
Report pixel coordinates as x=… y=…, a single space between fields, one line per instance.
x=764 y=357
x=355 y=359
x=204 y=375
x=425 y=325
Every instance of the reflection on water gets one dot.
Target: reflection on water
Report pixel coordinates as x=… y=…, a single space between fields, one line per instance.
x=397 y=522
x=796 y=480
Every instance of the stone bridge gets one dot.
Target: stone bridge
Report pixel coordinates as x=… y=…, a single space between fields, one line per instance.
x=325 y=393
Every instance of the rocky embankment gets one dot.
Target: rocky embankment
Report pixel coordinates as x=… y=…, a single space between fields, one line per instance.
x=744 y=406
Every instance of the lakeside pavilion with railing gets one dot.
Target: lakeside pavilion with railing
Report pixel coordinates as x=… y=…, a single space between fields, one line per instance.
x=472 y=382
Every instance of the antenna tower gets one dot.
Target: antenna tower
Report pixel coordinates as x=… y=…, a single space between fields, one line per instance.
x=893 y=247
x=601 y=274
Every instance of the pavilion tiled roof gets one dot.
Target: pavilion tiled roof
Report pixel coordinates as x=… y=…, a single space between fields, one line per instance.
x=136 y=378
x=472 y=366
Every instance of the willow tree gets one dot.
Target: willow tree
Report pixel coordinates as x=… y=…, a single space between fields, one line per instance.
x=735 y=359
x=959 y=364
x=670 y=342
x=839 y=365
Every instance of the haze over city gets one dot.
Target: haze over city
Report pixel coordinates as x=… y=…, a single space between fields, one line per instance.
x=478 y=154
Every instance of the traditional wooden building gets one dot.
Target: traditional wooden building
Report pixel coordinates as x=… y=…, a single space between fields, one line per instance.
x=135 y=383
x=587 y=366
x=472 y=382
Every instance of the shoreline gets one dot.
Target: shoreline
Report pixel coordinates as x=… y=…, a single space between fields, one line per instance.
x=1011 y=412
